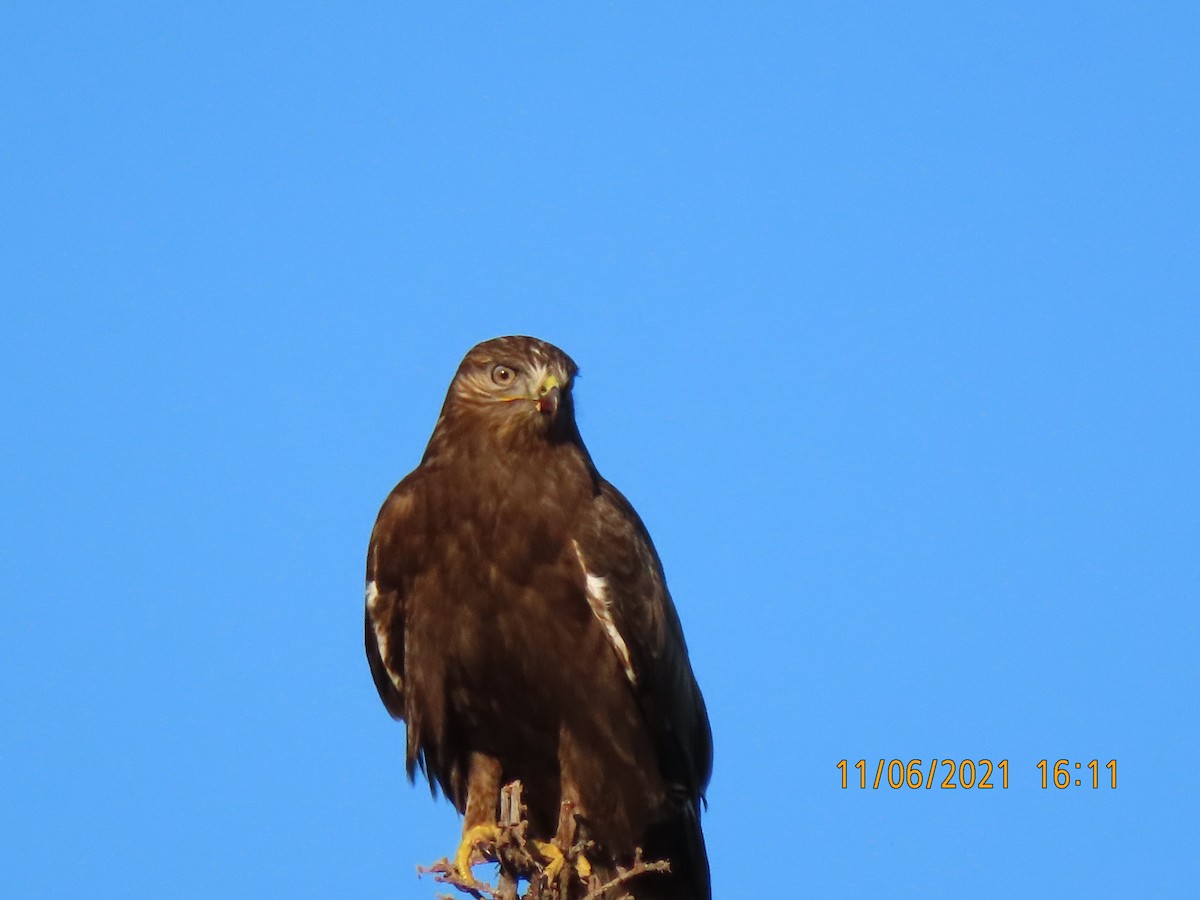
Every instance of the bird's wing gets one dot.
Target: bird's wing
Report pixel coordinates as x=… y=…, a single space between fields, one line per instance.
x=390 y=564
x=627 y=591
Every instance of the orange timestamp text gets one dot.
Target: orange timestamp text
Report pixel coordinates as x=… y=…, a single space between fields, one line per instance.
x=964 y=774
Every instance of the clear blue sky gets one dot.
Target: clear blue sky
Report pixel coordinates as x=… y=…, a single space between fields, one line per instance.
x=888 y=323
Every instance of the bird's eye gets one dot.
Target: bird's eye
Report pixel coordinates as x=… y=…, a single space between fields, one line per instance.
x=503 y=376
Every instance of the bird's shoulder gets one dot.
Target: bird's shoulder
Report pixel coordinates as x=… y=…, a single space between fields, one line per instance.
x=396 y=533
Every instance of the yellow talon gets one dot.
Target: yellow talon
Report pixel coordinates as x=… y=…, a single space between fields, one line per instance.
x=471 y=839
x=555 y=856
x=583 y=867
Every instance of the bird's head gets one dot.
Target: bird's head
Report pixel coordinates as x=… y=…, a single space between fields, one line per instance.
x=516 y=385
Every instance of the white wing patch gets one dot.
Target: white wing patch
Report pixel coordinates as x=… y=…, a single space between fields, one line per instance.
x=596 y=588
x=381 y=619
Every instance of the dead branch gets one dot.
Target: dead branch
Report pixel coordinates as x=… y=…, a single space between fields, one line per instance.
x=639 y=867
x=519 y=861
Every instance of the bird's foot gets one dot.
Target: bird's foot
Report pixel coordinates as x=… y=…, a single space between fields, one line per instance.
x=555 y=857
x=473 y=840
x=583 y=867
x=549 y=851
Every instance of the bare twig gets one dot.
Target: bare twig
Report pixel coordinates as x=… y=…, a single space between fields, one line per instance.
x=444 y=872
x=639 y=867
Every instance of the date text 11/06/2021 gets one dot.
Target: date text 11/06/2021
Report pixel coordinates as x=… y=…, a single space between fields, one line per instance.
x=980 y=774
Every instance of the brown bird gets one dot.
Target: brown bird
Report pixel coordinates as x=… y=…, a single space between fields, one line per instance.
x=518 y=621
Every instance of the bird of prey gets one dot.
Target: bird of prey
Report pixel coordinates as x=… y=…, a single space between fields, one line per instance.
x=518 y=621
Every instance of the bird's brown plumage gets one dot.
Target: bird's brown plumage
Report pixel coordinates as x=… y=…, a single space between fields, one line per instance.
x=519 y=623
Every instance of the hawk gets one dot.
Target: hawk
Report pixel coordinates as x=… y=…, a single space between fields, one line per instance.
x=518 y=622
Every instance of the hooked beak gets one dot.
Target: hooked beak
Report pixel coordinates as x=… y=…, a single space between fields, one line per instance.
x=549 y=396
